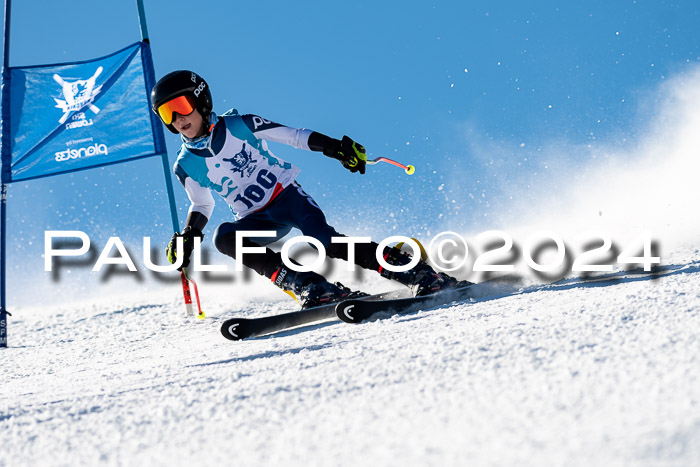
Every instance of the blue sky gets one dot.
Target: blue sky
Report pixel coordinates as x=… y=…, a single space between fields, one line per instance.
x=471 y=93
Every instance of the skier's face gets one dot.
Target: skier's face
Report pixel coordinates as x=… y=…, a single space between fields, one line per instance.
x=191 y=125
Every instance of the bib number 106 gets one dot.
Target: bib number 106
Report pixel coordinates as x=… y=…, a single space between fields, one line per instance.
x=255 y=192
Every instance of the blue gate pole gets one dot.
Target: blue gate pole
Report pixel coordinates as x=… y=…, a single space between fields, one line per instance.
x=159 y=131
x=142 y=21
x=3 y=310
x=3 y=187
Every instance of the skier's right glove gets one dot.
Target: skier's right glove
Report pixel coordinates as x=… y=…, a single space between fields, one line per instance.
x=188 y=234
x=350 y=153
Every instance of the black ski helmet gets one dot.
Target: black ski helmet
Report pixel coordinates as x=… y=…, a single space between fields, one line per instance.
x=178 y=83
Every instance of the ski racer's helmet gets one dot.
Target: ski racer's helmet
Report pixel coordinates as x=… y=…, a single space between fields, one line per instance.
x=181 y=83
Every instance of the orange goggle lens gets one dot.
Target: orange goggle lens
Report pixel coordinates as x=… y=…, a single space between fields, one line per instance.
x=184 y=105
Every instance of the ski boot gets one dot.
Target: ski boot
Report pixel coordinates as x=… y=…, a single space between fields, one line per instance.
x=421 y=279
x=312 y=289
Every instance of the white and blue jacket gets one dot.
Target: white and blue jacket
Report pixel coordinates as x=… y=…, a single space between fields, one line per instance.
x=234 y=161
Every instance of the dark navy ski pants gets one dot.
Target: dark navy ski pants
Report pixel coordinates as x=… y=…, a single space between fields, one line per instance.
x=292 y=208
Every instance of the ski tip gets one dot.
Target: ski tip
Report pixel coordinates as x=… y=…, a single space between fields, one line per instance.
x=234 y=329
x=346 y=311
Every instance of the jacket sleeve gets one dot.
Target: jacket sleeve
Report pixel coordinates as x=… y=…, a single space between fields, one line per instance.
x=278 y=133
x=200 y=197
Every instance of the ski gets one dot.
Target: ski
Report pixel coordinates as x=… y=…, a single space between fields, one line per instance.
x=242 y=328
x=356 y=311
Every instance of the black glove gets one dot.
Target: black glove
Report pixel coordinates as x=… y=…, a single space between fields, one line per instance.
x=188 y=234
x=350 y=153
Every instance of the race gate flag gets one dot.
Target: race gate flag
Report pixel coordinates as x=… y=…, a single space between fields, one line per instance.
x=72 y=116
x=66 y=117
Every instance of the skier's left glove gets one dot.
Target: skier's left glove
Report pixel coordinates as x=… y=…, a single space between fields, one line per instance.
x=350 y=153
x=188 y=234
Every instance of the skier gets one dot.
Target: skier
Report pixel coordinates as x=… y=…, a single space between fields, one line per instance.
x=228 y=154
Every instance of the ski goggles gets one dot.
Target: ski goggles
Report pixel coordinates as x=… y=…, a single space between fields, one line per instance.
x=184 y=105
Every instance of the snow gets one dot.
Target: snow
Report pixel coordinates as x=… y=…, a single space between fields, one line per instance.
x=581 y=372
x=601 y=371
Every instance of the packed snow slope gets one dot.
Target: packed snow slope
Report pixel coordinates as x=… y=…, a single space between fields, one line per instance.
x=602 y=371
x=597 y=371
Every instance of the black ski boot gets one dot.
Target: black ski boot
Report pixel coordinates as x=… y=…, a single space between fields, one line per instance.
x=422 y=279
x=312 y=289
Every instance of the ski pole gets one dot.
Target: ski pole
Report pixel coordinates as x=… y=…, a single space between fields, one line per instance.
x=187 y=279
x=186 y=292
x=408 y=168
